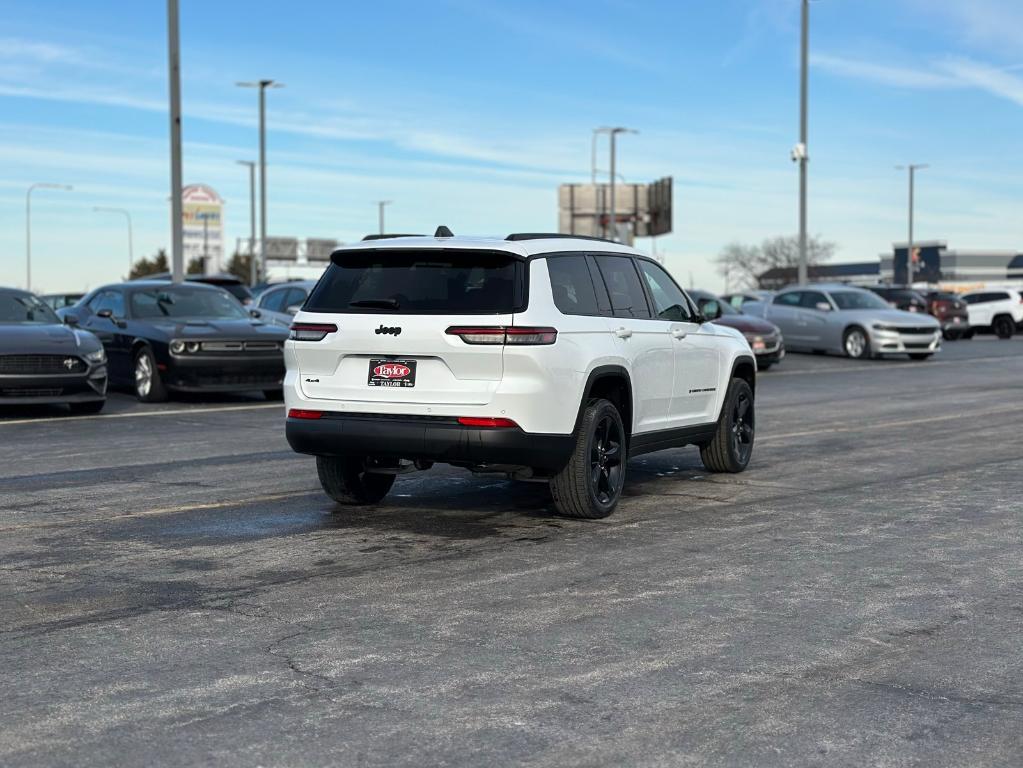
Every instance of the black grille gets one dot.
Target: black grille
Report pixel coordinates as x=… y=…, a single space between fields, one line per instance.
x=37 y=392
x=40 y=365
x=917 y=330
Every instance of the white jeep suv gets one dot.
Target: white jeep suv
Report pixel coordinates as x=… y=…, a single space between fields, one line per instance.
x=542 y=357
x=1000 y=309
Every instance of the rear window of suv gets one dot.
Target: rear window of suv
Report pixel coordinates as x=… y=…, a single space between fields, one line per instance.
x=421 y=282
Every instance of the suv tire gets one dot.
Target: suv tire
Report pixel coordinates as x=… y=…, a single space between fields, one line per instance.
x=1003 y=327
x=732 y=446
x=591 y=483
x=346 y=481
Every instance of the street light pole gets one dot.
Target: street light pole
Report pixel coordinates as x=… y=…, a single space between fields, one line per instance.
x=131 y=247
x=262 y=85
x=614 y=133
x=912 y=193
x=174 y=67
x=28 y=225
x=380 y=212
x=252 y=219
x=802 y=155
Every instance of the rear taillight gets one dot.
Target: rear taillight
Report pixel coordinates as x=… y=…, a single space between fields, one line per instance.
x=499 y=334
x=311 y=331
x=298 y=413
x=486 y=422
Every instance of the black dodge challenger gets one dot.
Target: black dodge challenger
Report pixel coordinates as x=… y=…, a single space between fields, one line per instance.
x=42 y=361
x=162 y=337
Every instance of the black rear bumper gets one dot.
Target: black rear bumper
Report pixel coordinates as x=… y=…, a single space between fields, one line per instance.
x=439 y=439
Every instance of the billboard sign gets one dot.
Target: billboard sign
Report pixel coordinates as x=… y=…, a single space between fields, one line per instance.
x=641 y=210
x=318 y=249
x=202 y=223
x=282 y=249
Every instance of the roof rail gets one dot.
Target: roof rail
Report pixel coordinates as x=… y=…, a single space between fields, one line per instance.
x=554 y=236
x=387 y=237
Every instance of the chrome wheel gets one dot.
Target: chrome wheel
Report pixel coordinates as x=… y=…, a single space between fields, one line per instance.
x=606 y=457
x=742 y=428
x=855 y=343
x=143 y=374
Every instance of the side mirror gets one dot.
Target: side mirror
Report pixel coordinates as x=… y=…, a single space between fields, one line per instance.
x=70 y=319
x=711 y=310
x=823 y=306
x=255 y=314
x=293 y=309
x=107 y=313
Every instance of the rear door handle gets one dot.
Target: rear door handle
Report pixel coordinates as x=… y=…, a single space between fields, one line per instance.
x=679 y=333
x=623 y=333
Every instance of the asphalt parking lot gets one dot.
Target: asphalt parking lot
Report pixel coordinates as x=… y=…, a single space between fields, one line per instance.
x=177 y=590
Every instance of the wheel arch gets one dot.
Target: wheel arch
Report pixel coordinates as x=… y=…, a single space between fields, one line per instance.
x=610 y=382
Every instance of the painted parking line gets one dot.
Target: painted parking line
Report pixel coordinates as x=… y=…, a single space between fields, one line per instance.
x=143 y=414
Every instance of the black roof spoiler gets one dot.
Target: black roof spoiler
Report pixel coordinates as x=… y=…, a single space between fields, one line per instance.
x=518 y=236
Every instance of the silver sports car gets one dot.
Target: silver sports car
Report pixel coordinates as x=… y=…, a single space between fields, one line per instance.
x=850 y=321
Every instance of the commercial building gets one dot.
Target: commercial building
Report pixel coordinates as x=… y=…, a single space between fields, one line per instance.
x=934 y=264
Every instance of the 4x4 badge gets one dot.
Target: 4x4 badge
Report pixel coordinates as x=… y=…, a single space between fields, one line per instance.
x=394 y=331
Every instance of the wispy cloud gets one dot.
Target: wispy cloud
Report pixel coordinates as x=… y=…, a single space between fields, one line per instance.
x=12 y=48
x=995 y=25
x=942 y=74
x=884 y=74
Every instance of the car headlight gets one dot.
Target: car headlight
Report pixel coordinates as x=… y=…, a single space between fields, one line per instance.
x=99 y=356
x=177 y=347
x=193 y=346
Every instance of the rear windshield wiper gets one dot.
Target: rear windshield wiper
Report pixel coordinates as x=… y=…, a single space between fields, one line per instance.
x=375 y=303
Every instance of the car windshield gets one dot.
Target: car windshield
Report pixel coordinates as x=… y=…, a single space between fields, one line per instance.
x=25 y=308
x=185 y=302
x=858 y=300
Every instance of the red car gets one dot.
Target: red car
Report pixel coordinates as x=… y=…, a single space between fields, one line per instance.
x=764 y=338
x=951 y=312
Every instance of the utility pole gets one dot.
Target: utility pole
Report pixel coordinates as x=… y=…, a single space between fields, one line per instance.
x=380 y=212
x=252 y=219
x=174 y=66
x=131 y=248
x=28 y=225
x=912 y=193
x=614 y=133
x=262 y=85
x=801 y=153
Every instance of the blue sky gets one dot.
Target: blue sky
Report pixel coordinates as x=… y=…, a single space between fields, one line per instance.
x=470 y=113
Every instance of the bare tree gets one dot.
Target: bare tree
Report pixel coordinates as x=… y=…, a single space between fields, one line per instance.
x=741 y=265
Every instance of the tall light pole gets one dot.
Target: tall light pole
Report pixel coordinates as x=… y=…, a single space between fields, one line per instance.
x=613 y=134
x=131 y=247
x=912 y=191
x=262 y=85
x=28 y=225
x=800 y=154
x=380 y=204
x=174 y=71
x=252 y=219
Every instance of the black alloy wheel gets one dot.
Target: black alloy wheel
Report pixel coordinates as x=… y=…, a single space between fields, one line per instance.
x=742 y=427
x=606 y=456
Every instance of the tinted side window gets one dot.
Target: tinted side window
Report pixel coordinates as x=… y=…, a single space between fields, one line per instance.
x=112 y=300
x=295 y=297
x=811 y=299
x=273 y=300
x=623 y=286
x=572 y=286
x=971 y=298
x=669 y=301
x=790 y=299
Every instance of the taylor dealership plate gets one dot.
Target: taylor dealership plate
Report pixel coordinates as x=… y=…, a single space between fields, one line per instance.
x=392 y=373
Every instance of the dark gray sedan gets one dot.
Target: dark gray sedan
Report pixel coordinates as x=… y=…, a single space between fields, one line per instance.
x=42 y=361
x=848 y=321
